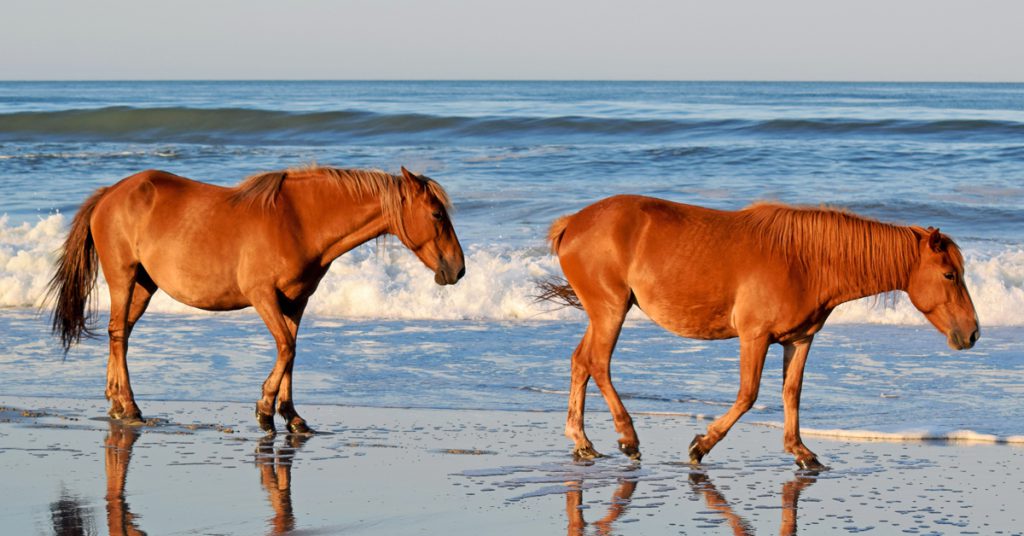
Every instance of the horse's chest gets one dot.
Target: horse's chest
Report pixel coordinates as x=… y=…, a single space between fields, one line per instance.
x=301 y=283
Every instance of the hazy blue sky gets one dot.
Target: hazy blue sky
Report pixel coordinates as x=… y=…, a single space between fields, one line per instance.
x=969 y=40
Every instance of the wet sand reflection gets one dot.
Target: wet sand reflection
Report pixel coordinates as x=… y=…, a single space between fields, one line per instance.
x=275 y=466
x=619 y=504
x=71 y=515
x=702 y=485
x=118 y=445
x=69 y=518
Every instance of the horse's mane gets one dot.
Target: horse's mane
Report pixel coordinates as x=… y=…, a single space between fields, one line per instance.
x=263 y=189
x=837 y=245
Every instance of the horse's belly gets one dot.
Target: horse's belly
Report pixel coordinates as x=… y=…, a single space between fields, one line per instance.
x=207 y=298
x=694 y=321
x=197 y=284
x=229 y=302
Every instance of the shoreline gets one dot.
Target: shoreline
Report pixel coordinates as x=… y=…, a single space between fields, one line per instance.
x=911 y=435
x=408 y=471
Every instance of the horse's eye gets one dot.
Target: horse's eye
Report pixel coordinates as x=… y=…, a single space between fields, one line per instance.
x=950 y=276
x=437 y=215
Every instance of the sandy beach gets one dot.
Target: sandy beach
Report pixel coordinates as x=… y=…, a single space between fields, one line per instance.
x=205 y=468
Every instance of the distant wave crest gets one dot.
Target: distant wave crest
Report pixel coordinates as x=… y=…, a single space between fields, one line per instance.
x=252 y=126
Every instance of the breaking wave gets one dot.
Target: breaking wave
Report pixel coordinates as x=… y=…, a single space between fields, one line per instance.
x=499 y=284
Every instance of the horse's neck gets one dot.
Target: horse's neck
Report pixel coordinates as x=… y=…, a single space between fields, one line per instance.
x=868 y=267
x=336 y=221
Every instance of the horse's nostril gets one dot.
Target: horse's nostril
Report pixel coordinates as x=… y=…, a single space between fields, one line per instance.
x=462 y=272
x=974 y=337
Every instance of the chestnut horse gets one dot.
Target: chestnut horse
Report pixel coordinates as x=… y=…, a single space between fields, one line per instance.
x=767 y=274
x=265 y=243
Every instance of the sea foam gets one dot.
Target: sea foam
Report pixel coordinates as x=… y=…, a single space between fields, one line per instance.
x=390 y=282
x=929 y=434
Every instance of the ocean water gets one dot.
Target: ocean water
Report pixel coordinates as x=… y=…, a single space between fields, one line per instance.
x=513 y=156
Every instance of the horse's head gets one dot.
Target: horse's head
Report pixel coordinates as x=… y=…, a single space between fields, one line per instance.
x=428 y=231
x=937 y=289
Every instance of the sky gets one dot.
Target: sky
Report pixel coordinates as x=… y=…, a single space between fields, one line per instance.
x=862 y=40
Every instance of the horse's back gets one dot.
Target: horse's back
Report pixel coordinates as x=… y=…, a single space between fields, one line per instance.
x=626 y=229
x=184 y=233
x=684 y=265
x=152 y=203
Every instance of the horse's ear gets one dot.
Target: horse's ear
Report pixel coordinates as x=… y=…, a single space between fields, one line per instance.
x=935 y=241
x=407 y=174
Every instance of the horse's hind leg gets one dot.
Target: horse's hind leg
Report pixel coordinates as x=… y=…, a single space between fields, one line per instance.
x=592 y=358
x=793 y=361
x=128 y=300
x=606 y=335
x=752 y=354
x=579 y=377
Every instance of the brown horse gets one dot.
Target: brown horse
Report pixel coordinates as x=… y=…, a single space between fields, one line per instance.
x=265 y=243
x=766 y=274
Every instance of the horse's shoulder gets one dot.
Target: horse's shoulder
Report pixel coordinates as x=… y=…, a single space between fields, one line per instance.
x=154 y=175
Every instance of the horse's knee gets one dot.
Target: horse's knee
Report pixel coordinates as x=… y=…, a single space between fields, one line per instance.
x=117 y=334
x=744 y=403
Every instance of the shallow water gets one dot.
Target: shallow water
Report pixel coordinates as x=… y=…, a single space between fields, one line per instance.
x=880 y=381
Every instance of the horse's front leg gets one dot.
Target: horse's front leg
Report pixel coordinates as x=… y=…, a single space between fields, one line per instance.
x=793 y=361
x=285 y=405
x=268 y=306
x=752 y=354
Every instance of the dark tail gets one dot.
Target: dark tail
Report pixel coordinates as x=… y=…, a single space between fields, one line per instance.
x=557 y=289
x=75 y=279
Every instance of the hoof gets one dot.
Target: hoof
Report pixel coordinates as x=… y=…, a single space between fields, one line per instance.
x=633 y=451
x=696 y=452
x=299 y=427
x=811 y=463
x=125 y=417
x=134 y=421
x=586 y=453
x=266 y=422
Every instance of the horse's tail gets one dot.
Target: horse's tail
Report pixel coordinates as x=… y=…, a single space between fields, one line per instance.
x=557 y=289
x=75 y=278
x=556 y=231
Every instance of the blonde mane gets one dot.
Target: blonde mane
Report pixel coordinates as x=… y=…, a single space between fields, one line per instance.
x=262 y=190
x=835 y=244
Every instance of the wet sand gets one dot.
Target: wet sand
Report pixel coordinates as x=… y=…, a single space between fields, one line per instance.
x=205 y=468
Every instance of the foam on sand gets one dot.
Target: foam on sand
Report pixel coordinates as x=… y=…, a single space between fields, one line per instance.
x=896 y=436
x=958 y=436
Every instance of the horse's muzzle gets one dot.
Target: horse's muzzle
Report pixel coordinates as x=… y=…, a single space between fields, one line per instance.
x=447 y=274
x=959 y=341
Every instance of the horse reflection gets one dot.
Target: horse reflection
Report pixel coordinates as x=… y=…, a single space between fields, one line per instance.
x=69 y=517
x=619 y=505
x=275 y=467
x=702 y=485
x=118 y=452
